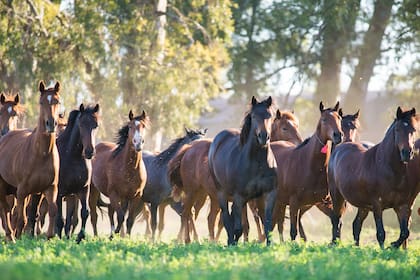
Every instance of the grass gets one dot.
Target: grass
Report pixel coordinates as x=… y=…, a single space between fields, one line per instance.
x=123 y=258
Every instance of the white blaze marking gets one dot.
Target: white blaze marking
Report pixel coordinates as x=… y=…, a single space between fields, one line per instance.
x=291 y=123
x=405 y=124
x=137 y=135
x=9 y=109
x=49 y=98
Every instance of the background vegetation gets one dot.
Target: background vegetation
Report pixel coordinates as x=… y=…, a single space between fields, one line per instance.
x=171 y=58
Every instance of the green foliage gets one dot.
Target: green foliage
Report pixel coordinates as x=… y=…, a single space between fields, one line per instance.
x=132 y=259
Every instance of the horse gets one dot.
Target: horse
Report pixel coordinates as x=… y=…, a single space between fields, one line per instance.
x=189 y=173
x=301 y=170
x=158 y=189
x=31 y=163
x=76 y=147
x=9 y=111
x=118 y=172
x=243 y=167
x=374 y=179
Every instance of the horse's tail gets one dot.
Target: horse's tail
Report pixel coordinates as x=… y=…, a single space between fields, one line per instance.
x=102 y=204
x=174 y=173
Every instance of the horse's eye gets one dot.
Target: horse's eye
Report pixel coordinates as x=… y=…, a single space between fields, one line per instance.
x=284 y=128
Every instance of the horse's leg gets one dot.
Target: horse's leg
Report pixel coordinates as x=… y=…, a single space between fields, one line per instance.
x=59 y=223
x=93 y=201
x=116 y=203
x=32 y=213
x=280 y=213
x=146 y=217
x=253 y=205
x=245 y=223
x=404 y=214
x=211 y=218
x=5 y=217
x=270 y=200
x=293 y=208
x=21 y=204
x=188 y=202
x=237 y=210
x=380 y=232
x=198 y=205
x=302 y=211
x=339 y=206
x=161 y=221
x=51 y=197
x=75 y=217
x=70 y=212
x=135 y=206
x=42 y=212
x=84 y=212
x=358 y=222
x=227 y=218
x=153 y=213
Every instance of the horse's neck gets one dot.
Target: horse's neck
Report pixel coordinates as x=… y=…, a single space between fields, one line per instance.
x=387 y=153
x=255 y=151
x=75 y=143
x=312 y=150
x=131 y=158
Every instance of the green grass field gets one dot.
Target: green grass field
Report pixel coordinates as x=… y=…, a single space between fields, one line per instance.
x=100 y=258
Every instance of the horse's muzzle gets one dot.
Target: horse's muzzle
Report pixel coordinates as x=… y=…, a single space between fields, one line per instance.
x=337 y=137
x=406 y=155
x=263 y=138
x=50 y=125
x=89 y=153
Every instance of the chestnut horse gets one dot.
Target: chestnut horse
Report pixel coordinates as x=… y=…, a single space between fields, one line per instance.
x=30 y=163
x=189 y=173
x=243 y=167
x=76 y=147
x=301 y=170
x=118 y=172
x=374 y=179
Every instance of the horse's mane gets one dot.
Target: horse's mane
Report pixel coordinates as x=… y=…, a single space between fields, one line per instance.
x=122 y=137
x=71 y=121
x=166 y=155
x=306 y=141
x=246 y=127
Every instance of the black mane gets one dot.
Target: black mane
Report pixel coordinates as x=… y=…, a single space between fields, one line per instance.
x=121 y=140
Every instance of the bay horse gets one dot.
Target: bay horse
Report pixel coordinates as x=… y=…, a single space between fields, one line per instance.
x=30 y=163
x=76 y=147
x=301 y=170
x=243 y=167
x=118 y=172
x=158 y=188
x=9 y=111
x=189 y=173
x=374 y=179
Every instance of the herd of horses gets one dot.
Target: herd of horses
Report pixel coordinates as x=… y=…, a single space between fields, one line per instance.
x=265 y=165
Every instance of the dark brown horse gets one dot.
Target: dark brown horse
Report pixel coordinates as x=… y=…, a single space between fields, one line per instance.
x=30 y=163
x=9 y=111
x=119 y=172
x=76 y=147
x=301 y=170
x=189 y=173
x=243 y=167
x=374 y=179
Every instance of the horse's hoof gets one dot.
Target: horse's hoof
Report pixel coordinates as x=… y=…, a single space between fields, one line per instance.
x=395 y=245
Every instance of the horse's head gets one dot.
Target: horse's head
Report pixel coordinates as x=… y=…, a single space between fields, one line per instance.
x=329 y=125
x=50 y=103
x=258 y=122
x=88 y=124
x=61 y=123
x=192 y=135
x=136 y=129
x=8 y=113
x=286 y=127
x=405 y=133
x=349 y=125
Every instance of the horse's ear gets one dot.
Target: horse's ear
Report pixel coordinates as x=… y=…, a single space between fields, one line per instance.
x=187 y=131
x=269 y=101
x=96 y=109
x=41 y=86
x=130 y=115
x=57 y=86
x=253 y=101
x=292 y=111
x=321 y=107
x=17 y=97
x=413 y=111
x=336 y=106
x=340 y=112
x=81 y=108
x=278 y=114
x=205 y=131
x=143 y=115
x=2 y=99
x=356 y=116
x=399 y=113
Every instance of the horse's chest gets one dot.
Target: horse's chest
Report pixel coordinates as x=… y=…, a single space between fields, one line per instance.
x=261 y=181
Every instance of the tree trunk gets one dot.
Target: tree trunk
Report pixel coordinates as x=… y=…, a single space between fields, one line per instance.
x=370 y=51
x=339 y=24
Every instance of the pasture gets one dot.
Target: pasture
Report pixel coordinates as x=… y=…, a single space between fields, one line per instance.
x=122 y=258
